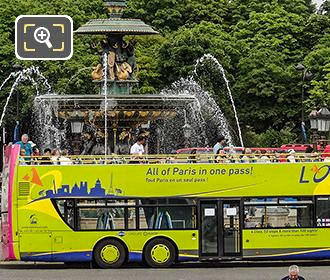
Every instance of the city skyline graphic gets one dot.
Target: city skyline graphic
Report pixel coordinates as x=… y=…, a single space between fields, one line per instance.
x=82 y=190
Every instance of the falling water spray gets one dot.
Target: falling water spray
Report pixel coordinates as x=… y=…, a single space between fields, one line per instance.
x=222 y=71
x=105 y=75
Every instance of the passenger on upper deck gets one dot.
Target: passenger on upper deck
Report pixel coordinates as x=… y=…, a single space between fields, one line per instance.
x=245 y=158
x=264 y=157
x=46 y=157
x=56 y=153
x=25 y=144
x=35 y=155
x=22 y=154
x=138 y=148
x=64 y=160
x=291 y=157
x=221 y=157
x=219 y=145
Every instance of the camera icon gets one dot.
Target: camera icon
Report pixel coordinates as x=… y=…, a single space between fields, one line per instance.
x=44 y=37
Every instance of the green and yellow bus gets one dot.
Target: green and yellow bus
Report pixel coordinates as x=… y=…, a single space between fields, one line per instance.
x=163 y=211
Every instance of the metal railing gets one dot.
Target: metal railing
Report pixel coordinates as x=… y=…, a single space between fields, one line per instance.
x=176 y=159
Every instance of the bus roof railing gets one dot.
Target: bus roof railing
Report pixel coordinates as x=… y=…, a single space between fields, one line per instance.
x=176 y=158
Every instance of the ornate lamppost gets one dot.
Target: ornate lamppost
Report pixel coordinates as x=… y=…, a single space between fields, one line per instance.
x=305 y=75
x=77 y=126
x=320 y=124
x=313 y=122
x=323 y=123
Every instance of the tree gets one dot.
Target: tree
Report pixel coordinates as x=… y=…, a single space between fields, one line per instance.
x=170 y=15
x=318 y=61
x=163 y=15
x=147 y=61
x=180 y=52
x=266 y=82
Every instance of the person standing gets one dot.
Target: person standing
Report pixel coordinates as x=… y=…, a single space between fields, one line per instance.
x=293 y=274
x=24 y=144
x=219 y=145
x=138 y=148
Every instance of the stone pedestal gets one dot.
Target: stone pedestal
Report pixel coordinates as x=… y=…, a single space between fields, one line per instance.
x=117 y=87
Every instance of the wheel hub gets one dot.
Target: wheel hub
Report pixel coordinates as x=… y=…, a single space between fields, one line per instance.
x=110 y=254
x=160 y=253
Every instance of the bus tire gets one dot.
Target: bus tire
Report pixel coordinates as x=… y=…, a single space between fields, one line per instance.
x=109 y=253
x=160 y=252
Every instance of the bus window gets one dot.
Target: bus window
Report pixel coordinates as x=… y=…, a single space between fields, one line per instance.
x=65 y=207
x=323 y=212
x=295 y=200
x=167 y=217
x=261 y=200
x=91 y=202
x=147 y=217
x=122 y=202
x=279 y=216
x=131 y=218
x=101 y=218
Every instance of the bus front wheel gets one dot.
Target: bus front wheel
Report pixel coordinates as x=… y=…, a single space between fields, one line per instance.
x=109 y=253
x=160 y=252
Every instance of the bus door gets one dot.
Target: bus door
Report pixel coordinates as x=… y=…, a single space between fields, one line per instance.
x=220 y=229
x=209 y=229
x=231 y=228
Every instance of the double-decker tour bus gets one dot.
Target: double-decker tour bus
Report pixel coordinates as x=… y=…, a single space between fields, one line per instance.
x=163 y=209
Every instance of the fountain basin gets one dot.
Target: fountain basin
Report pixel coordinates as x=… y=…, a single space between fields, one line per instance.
x=132 y=108
x=117 y=87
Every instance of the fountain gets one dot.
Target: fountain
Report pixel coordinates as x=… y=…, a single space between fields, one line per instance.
x=222 y=71
x=203 y=116
x=20 y=76
x=109 y=121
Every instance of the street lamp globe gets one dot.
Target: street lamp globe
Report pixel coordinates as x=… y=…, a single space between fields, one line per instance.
x=77 y=123
x=77 y=126
x=308 y=75
x=323 y=120
x=313 y=119
x=300 y=67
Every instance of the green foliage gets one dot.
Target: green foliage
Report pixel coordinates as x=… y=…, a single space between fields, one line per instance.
x=169 y=15
x=269 y=138
x=257 y=41
x=147 y=60
x=319 y=62
x=179 y=53
x=265 y=77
